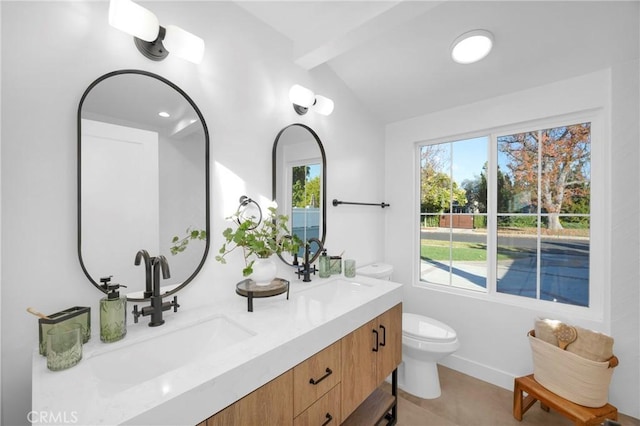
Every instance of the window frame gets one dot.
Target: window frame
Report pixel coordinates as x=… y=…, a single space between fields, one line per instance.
x=600 y=209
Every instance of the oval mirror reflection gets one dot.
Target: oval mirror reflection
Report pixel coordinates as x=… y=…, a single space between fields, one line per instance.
x=299 y=184
x=143 y=180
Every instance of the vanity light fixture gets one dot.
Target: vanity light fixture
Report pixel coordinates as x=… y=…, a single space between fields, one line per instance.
x=303 y=99
x=471 y=46
x=152 y=40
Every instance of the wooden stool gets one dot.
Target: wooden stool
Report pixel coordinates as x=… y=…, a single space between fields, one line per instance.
x=581 y=415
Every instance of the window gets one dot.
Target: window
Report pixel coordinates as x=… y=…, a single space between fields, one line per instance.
x=453 y=209
x=509 y=213
x=305 y=201
x=543 y=213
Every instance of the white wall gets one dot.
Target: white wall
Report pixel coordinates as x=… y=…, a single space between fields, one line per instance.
x=0 y=213
x=182 y=166
x=625 y=235
x=51 y=51
x=493 y=335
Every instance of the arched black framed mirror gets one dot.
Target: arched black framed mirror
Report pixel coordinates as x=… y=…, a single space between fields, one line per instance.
x=299 y=176
x=143 y=180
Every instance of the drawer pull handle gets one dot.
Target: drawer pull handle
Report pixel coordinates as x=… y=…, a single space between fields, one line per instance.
x=329 y=418
x=315 y=382
x=384 y=335
x=377 y=341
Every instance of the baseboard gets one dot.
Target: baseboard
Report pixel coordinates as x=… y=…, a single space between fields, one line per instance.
x=479 y=371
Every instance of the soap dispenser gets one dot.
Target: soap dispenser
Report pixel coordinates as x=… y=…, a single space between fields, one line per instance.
x=325 y=267
x=113 y=312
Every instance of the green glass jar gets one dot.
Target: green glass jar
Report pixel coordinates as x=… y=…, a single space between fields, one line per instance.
x=64 y=346
x=335 y=265
x=349 y=268
x=80 y=315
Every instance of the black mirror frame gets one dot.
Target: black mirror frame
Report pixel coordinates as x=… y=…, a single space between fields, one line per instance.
x=324 y=180
x=79 y=174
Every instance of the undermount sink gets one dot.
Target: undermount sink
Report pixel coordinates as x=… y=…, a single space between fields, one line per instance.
x=339 y=289
x=140 y=361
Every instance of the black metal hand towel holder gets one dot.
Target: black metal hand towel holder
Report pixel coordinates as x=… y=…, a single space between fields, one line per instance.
x=382 y=205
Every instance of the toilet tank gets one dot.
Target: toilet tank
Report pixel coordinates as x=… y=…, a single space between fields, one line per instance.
x=381 y=271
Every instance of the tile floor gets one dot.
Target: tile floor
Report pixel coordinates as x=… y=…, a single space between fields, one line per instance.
x=467 y=401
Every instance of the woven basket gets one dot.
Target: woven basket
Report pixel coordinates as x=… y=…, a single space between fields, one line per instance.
x=577 y=379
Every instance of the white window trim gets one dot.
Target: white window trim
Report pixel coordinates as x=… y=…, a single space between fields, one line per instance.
x=600 y=242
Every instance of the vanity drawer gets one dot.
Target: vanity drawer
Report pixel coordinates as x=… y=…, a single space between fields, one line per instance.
x=315 y=377
x=324 y=412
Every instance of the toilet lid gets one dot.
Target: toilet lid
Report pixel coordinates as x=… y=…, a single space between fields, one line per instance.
x=425 y=328
x=376 y=270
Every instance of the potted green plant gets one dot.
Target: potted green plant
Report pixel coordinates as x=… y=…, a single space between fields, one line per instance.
x=259 y=241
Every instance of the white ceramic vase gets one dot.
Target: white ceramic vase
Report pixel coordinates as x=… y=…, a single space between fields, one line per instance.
x=264 y=271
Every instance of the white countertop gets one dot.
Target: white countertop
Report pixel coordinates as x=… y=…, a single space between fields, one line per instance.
x=281 y=334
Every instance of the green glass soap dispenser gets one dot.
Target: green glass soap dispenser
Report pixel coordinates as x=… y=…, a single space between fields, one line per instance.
x=325 y=268
x=113 y=312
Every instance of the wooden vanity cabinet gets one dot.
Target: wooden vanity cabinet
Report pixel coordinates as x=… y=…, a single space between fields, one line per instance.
x=271 y=404
x=341 y=380
x=369 y=355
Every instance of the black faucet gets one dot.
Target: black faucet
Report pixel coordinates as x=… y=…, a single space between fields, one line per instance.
x=155 y=265
x=307 y=269
x=143 y=254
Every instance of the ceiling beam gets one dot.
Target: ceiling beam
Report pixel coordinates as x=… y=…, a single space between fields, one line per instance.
x=310 y=56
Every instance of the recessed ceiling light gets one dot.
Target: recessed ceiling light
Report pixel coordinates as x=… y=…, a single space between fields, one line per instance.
x=472 y=46
x=164 y=114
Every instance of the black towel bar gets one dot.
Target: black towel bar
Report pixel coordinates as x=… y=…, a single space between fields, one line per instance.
x=382 y=205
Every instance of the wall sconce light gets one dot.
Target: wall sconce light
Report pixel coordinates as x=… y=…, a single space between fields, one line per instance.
x=472 y=46
x=303 y=99
x=152 y=40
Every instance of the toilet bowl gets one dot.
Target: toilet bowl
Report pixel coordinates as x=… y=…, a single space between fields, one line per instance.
x=425 y=341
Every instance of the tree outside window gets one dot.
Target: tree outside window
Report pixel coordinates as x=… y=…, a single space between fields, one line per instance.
x=549 y=173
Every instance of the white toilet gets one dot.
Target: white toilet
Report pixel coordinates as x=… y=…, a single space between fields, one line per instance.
x=425 y=341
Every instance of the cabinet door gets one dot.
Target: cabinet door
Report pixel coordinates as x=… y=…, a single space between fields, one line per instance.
x=358 y=367
x=390 y=335
x=272 y=404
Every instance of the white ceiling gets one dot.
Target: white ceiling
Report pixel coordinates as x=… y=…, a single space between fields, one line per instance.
x=132 y=99
x=394 y=56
